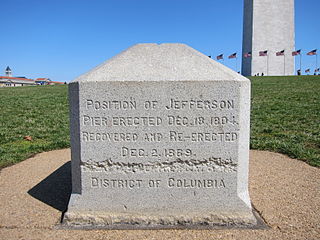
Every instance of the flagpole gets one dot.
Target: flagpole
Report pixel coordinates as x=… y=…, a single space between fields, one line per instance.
x=284 y=64
x=236 y=64
x=300 y=61
x=267 y=64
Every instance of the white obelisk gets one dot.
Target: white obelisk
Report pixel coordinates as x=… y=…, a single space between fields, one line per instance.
x=268 y=25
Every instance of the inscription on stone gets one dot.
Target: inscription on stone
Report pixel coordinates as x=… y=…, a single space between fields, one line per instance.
x=179 y=132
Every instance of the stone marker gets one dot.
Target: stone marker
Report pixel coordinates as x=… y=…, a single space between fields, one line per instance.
x=160 y=138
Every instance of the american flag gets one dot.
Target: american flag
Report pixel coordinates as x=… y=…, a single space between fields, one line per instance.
x=233 y=55
x=307 y=70
x=295 y=53
x=281 y=53
x=248 y=54
x=313 y=52
x=220 y=57
x=263 y=53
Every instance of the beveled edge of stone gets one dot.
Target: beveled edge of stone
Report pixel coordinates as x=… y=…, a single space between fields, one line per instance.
x=160 y=62
x=104 y=220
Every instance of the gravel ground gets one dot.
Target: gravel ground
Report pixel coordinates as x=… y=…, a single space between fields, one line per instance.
x=33 y=194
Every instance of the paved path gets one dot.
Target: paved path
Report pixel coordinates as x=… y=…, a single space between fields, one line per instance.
x=34 y=192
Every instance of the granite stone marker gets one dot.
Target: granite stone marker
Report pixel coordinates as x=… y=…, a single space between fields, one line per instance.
x=160 y=138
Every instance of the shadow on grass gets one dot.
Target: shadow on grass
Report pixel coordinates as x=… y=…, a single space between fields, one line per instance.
x=55 y=190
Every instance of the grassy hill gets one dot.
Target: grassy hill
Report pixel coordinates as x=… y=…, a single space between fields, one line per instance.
x=40 y=112
x=285 y=118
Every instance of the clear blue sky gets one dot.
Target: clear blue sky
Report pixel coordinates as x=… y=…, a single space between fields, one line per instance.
x=61 y=39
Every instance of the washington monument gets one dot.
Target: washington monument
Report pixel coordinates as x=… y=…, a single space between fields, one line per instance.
x=268 y=29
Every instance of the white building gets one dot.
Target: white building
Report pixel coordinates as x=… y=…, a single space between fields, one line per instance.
x=9 y=81
x=268 y=27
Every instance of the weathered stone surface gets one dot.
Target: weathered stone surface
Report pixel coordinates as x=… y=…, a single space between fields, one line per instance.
x=160 y=137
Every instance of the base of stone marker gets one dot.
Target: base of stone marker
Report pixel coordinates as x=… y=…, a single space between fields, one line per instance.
x=95 y=219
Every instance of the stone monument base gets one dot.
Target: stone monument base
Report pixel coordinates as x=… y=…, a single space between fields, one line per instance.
x=82 y=218
x=89 y=219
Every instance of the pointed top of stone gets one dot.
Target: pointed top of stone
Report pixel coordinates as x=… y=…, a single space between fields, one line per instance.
x=164 y=62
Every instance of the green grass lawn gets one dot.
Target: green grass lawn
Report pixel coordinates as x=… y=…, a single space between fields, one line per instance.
x=285 y=118
x=40 y=112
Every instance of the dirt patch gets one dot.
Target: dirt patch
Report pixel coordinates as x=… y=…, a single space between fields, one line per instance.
x=35 y=192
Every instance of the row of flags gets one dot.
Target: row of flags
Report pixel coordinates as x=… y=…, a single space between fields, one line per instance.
x=265 y=53
x=219 y=57
x=308 y=70
x=281 y=53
